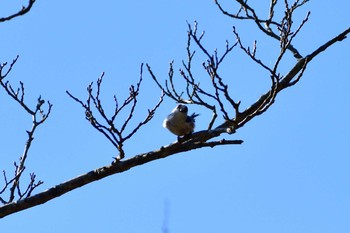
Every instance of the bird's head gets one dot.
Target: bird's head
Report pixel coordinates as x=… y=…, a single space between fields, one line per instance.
x=181 y=108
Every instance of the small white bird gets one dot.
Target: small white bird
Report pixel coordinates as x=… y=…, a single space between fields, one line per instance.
x=178 y=122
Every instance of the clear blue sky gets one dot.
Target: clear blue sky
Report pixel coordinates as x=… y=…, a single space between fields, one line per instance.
x=290 y=175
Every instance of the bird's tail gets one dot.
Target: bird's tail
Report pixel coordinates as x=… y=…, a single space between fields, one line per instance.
x=193 y=116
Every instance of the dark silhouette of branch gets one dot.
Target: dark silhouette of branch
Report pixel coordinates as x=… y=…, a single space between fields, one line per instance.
x=290 y=79
x=195 y=141
x=269 y=26
x=115 y=167
x=195 y=94
x=216 y=97
x=39 y=116
x=24 y=10
x=106 y=125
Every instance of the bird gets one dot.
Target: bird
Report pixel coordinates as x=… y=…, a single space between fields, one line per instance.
x=178 y=122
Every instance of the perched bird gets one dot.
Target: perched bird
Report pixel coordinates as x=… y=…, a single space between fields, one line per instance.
x=178 y=122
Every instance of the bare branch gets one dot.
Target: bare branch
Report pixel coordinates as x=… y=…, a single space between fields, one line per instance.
x=24 y=10
x=147 y=119
x=216 y=97
x=287 y=81
x=115 y=134
x=114 y=168
x=325 y=46
x=195 y=93
x=39 y=116
x=265 y=24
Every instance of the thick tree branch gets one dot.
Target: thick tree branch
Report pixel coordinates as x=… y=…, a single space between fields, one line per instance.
x=24 y=10
x=217 y=97
x=115 y=167
x=287 y=81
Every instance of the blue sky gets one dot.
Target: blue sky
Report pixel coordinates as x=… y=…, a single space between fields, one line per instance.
x=291 y=174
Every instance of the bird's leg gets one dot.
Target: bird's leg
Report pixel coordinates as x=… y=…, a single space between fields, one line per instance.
x=184 y=138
